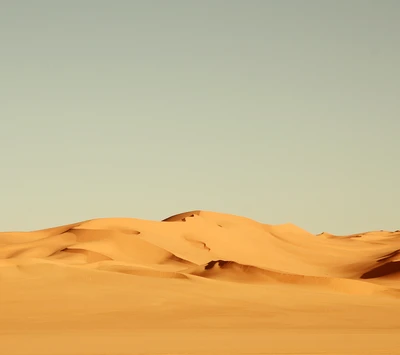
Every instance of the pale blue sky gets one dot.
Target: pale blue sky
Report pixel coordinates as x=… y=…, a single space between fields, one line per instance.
x=281 y=111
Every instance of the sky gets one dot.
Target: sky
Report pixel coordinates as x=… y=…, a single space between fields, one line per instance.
x=280 y=111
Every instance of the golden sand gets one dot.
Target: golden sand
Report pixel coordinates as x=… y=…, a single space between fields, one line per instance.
x=198 y=283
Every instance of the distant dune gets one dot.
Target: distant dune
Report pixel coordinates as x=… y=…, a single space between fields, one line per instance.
x=193 y=273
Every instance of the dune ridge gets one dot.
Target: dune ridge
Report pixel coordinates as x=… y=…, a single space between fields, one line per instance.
x=241 y=248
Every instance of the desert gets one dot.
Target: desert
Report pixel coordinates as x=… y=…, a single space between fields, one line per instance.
x=199 y=282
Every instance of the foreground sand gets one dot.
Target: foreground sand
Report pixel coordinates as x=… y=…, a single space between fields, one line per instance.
x=198 y=283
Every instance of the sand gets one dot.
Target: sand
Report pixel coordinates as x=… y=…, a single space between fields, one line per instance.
x=198 y=283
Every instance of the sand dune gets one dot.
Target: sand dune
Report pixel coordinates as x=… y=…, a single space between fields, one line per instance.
x=197 y=270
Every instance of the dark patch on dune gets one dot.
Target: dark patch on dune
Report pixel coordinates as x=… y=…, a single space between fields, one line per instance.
x=388 y=256
x=342 y=237
x=129 y=231
x=212 y=263
x=389 y=268
x=181 y=216
x=198 y=243
x=353 y=236
x=67 y=231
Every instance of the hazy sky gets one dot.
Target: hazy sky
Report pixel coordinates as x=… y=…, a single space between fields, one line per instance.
x=281 y=111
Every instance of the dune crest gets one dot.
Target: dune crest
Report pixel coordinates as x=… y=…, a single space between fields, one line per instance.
x=202 y=237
